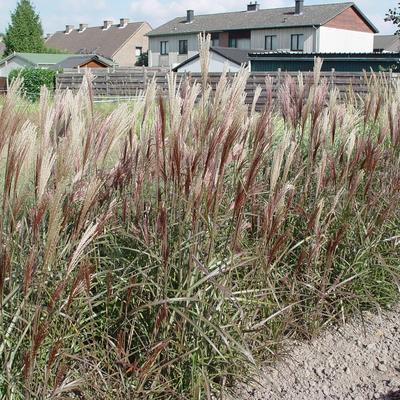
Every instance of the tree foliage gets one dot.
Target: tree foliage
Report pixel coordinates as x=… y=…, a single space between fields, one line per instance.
x=393 y=15
x=25 y=32
x=143 y=60
x=33 y=80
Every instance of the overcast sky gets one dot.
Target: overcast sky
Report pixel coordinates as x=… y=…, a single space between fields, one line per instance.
x=55 y=14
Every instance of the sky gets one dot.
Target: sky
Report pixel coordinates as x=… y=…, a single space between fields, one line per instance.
x=55 y=14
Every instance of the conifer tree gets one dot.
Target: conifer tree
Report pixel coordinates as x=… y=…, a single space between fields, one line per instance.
x=25 y=32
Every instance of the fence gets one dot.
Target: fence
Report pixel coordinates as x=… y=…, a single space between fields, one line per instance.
x=127 y=83
x=3 y=85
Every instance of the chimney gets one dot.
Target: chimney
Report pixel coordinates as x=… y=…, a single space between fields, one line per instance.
x=299 y=7
x=253 y=6
x=189 y=16
x=69 y=29
x=123 y=22
x=107 y=24
x=82 y=27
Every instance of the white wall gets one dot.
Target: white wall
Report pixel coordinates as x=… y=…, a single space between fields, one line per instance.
x=14 y=63
x=321 y=39
x=173 y=58
x=217 y=63
x=344 y=41
x=284 y=37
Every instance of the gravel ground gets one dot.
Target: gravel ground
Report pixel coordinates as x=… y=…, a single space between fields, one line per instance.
x=359 y=361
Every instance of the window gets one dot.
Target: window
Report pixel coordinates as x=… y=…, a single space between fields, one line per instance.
x=271 y=42
x=183 y=47
x=138 y=52
x=232 y=42
x=215 y=39
x=297 y=43
x=163 y=48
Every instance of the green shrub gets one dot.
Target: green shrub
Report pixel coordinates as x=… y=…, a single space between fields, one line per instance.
x=34 y=79
x=143 y=60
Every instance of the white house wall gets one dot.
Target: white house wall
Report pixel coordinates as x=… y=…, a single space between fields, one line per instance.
x=345 y=41
x=256 y=42
x=14 y=63
x=217 y=64
x=173 y=58
x=284 y=37
x=323 y=39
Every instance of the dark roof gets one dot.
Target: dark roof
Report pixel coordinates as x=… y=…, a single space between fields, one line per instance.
x=387 y=43
x=267 y=55
x=316 y=15
x=81 y=59
x=237 y=56
x=94 y=40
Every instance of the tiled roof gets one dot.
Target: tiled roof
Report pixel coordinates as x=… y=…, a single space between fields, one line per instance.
x=79 y=59
x=94 y=40
x=314 y=15
x=39 y=58
x=387 y=43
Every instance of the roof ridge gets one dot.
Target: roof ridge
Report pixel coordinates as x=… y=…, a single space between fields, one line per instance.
x=267 y=9
x=314 y=14
x=101 y=26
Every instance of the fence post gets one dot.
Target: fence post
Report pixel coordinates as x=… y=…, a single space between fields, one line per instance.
x=144 y=78
x=106 y=80
x=279 y=79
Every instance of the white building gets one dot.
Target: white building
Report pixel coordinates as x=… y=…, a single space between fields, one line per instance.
x=339 y=27
x=220 y=58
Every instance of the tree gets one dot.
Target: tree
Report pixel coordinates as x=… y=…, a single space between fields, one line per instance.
x=393 y=15
x=25 y=32
x=143 y=60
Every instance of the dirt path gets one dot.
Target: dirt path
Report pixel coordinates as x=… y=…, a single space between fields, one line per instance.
x=356 y=362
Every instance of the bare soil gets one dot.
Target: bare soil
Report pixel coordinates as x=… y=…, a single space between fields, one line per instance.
x=358 y=361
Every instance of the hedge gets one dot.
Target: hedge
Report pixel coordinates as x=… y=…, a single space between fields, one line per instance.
x=33 y=80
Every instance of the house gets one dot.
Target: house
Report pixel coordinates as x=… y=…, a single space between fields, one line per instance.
x=387 y=43
x=123 y=43
x=36 y=60
x=339 y=27
x=84 y=61
x=52 y=61
x=264 y=61
x=220 y=58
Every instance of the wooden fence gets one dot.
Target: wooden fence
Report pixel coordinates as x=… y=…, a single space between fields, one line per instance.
x=3 y=85
x=129 y=83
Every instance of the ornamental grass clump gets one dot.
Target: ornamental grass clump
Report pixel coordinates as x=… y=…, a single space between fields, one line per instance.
x=162 y=250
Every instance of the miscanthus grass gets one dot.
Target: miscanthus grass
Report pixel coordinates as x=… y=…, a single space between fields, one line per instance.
x=162 y=250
